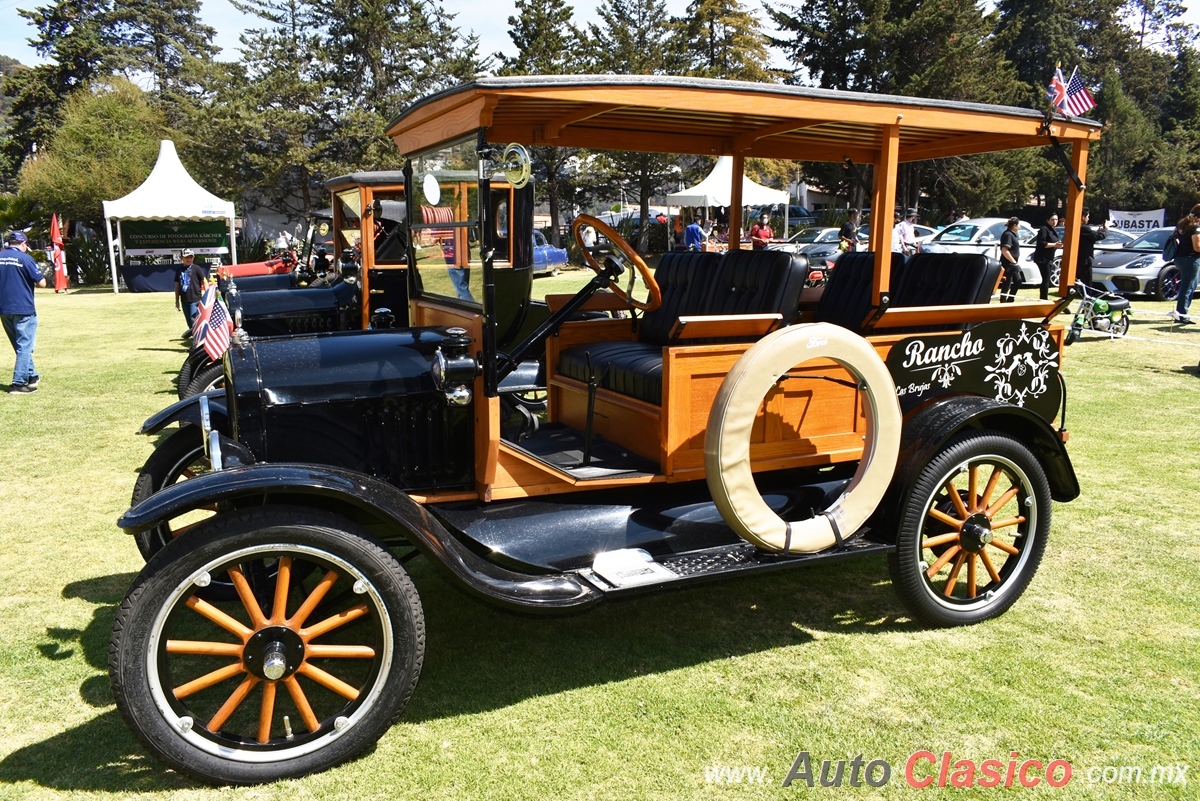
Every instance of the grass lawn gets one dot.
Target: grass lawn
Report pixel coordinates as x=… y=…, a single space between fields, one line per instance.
x=1098 y=663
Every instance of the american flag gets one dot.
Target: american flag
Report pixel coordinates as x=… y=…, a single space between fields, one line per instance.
x=213 y=326
x=1079 y=99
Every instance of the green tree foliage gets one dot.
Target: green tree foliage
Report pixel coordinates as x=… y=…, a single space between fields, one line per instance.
x=158 y=36
x=722 y=39
x=105 y=147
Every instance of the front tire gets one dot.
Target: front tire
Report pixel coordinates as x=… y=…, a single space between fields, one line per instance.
x=206 y=380
x=1167 y=285
x=315 y=658
x=983 y=504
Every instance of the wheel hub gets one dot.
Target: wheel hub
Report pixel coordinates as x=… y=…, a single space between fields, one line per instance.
x=273 y=653
x=976 y=533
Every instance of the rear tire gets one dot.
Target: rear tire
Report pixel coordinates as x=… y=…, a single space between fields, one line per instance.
x=239 y=692
x=980 y=491
x=210 y=378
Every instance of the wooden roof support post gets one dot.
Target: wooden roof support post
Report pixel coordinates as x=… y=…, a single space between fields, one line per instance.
x=882 y=201
x=1074 y=218
x=735 y=202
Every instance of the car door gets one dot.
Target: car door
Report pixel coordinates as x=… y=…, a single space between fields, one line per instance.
x=539 y=252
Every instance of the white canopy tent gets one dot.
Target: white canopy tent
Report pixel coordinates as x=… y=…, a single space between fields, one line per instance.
x=717 y=190
x=169 y=193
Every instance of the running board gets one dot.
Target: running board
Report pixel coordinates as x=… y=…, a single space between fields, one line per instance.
x=632 y=570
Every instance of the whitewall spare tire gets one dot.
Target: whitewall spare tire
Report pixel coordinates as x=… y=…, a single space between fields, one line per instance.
x=727 y=438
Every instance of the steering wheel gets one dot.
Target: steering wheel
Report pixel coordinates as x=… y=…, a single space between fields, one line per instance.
x=630 y=254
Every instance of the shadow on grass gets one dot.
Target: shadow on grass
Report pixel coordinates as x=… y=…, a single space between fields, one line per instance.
x=480 y=658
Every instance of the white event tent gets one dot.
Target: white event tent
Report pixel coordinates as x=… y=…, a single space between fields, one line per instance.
x=169 y=193
x=717 y=190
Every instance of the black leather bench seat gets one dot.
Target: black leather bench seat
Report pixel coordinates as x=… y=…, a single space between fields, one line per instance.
x=630 y=368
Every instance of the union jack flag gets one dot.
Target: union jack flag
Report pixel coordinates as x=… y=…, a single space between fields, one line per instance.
x=213 y=326
x=1056 y=92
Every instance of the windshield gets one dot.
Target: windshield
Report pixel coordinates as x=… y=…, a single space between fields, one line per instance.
x=809 y=235
x=444 y=230
x=1151 y=240
x=959 y=232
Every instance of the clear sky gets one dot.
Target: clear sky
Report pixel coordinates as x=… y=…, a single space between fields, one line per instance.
x=488 y=18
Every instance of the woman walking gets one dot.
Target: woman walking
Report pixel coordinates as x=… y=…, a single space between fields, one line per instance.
x=1187 y=260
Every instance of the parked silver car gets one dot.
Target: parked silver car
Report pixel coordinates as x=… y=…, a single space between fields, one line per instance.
x=1139 y=267
x=982 y=235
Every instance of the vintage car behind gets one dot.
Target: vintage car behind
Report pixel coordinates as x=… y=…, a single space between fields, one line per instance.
x=730 y=425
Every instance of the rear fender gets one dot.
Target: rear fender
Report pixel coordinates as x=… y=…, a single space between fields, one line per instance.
x=932 y=427
x=188 y=411
x=371 y=502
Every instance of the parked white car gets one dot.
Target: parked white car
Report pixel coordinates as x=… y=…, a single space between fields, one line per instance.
x=982 y=235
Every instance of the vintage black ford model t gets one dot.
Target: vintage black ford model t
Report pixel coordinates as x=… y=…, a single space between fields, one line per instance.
x=737 y=422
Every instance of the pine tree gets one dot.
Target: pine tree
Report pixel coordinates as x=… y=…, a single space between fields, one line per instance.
x=158 y=36
x=543 y=33
x=723 y=40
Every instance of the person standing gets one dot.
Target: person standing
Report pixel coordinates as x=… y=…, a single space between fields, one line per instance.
x=189 y=288
x=1043 y=251
x=908 y=233
x=897 y=234
x=694 y=235
x=19 y=274
x=1088 y=237
x=761 y=234
x=1187 y=260
x=1010 y=253
x=848 y=235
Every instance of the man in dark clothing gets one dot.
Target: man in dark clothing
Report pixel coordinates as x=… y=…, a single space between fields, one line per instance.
x=848 y=235
x=19 y=274
x=189 y=288
x=1088 y=237
x=1010 y=253
x=1043 y=251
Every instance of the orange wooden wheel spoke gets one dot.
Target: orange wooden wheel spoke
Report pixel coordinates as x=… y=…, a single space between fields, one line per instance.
x=266 y=711
x=188 y=474
x=941 y=539
x=973 y=488
x=942 y=517
x=310 y=603
x=301 y=702
x=178 y=532
x=1008 y=495
x=1008 y=521
x=988 y=566
x=203 y=648
x=943 y=559
x=257 y=618
x=283 y=583
x=232 y=625
x=1004 y=546
x=209 y=679
x=331 y=623
x=952 y=579
x=231 y=705
x=957 y=500
x=986 y=497
x=339 y=652
x=971 y=575
x=328 y=681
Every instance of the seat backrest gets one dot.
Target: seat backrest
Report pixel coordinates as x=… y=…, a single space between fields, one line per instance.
x=945 y=279
x=684 y=278
x=757 y=282
x=847 y=297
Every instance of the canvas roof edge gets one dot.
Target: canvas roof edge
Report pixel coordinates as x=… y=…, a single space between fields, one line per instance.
x=960 y=127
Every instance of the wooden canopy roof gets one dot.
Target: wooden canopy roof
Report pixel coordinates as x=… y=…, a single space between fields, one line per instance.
x=716 y=117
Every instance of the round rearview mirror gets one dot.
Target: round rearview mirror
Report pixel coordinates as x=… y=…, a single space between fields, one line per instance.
x=431 y=188
x=516 y=165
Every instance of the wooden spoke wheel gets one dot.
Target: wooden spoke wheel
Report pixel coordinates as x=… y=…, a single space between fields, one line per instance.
x=177 y=458
x=654 y=300
x=972 y=531
x=308 y=665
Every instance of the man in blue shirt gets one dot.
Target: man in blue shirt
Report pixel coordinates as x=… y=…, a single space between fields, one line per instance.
x=694 y=236
x=19 y=274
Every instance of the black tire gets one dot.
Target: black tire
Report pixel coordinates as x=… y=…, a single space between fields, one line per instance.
x=925 y=528
x=1072 y=336
x=178 y=457
x=1121 y=327
x=185 y=377
x=210 y=378
x=1166 y=287
x=373 y=641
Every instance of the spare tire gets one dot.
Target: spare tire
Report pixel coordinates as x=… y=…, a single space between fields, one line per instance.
x=727 y=438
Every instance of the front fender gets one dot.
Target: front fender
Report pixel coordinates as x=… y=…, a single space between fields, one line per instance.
x=188 y=411
x=373 y=500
